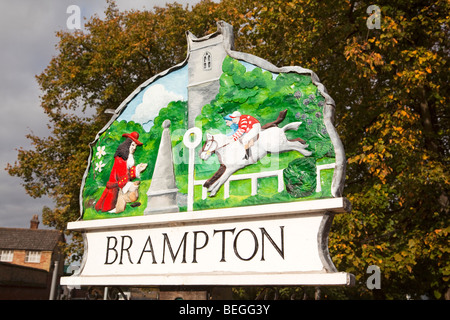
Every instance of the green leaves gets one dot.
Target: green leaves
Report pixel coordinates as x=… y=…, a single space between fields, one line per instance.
x=300 y=177
x=261 y=94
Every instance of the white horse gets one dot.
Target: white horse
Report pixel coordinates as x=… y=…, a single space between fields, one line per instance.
x=231 y=154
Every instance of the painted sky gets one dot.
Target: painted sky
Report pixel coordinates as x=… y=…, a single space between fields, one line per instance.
x=145 y=106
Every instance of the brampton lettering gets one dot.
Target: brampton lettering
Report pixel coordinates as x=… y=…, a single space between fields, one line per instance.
x=244 y=244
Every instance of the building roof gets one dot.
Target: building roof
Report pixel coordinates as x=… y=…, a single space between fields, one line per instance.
x=28 y=239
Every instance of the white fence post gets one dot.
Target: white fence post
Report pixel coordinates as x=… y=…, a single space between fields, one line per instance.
x=226 y=189
x=280 y=181
x=195 y=133
x=254 y=186
x=320 y=168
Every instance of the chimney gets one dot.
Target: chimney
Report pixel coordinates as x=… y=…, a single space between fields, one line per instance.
x=34 y=223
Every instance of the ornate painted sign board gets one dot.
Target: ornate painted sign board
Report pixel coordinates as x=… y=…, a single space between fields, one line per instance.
x=223 y=170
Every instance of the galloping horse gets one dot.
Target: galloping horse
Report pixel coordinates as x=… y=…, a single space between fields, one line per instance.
x=231 y=154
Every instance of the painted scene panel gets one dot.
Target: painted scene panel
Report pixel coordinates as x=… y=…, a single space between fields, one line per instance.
x=262 y=139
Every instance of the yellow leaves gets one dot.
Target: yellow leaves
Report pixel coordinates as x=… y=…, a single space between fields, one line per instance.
x=400 y=130
x=291 y=4
x=376 y=58
x=387 y=140
x=418 y=74
x=403 y=113
x=418 y=64
x=249 y=14
x=354 y=159
x=367 y=148
x=365 y=58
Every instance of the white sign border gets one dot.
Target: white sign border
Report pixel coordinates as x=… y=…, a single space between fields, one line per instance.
x=336 y=205
x=328 y=276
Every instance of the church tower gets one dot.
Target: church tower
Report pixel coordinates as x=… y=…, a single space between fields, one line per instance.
x=206 y=56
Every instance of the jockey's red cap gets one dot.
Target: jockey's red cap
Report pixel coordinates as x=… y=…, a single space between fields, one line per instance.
x=133 y=136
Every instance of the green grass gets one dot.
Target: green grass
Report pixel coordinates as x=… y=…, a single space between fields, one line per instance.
x=240 y=191
x=90 y=213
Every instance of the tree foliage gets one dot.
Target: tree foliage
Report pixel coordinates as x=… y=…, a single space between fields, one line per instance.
x=256 y=93
x=391 y=93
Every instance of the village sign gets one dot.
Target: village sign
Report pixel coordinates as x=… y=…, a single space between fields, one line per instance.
x=222 y=170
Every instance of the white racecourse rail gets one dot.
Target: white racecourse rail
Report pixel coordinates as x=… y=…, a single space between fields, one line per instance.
x=255 y=176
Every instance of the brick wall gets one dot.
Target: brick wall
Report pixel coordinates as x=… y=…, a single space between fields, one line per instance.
x=44 y=264
x=22 y=283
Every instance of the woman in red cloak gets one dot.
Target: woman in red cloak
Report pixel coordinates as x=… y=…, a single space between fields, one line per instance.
x=122 y=173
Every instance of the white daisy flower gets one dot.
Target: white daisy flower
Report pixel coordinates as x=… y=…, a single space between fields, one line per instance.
x=99 y=166
x=100 y=152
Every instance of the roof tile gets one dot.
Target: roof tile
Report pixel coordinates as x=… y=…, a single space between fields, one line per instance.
x=28 y=239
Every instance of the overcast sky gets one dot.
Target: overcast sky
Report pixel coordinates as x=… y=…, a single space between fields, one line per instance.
x=27 y=43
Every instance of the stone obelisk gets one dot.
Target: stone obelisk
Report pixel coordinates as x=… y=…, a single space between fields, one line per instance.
x=162 y=194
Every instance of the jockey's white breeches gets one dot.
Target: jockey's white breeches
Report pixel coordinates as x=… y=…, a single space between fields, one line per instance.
x=254 y=131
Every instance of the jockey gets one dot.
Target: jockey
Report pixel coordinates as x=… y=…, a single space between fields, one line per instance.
x=233 y=126
x=247 y=131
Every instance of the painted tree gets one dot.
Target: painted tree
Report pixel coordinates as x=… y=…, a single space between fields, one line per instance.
x=391 y=93
x=256 y=93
